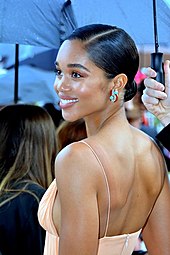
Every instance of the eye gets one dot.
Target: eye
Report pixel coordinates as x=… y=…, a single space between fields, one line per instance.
x=76 y=75
x=58 y=72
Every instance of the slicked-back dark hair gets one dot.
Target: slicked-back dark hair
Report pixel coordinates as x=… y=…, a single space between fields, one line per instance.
x=111 y=49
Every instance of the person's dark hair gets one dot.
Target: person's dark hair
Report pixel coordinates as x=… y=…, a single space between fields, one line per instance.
x=28 y=146
x=141 y=87
x=112 y=50
x=55 y=114
x=69 y=132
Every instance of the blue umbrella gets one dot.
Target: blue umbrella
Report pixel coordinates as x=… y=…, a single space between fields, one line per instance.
x=36 y=86
x=138 y=18
x=135 y=16
x=36 y=22
x=44 y=23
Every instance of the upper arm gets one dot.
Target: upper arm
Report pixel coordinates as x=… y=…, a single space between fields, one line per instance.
x=156 y=233
x=78 y=200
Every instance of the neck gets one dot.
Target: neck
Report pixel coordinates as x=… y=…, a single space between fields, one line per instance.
x=96 y=124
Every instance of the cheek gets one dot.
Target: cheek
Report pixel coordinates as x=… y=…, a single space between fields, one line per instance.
x=85 y=92
x=94 y=96
x=91 y=89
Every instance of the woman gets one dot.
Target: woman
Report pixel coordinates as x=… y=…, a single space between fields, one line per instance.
x=113 y=185
x=27 y=154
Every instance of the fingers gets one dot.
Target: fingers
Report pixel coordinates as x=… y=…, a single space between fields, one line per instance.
x=149 y=82
x=148 y=100
x=167 y=76
x=167 y=67
x=156 y=96
x=148 y=72
x=152 y=84
x=154 y=93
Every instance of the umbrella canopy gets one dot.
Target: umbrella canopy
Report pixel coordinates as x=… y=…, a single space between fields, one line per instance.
x=43 y=23
x=36 y=22
x=136 y=17
x=47 y=23
x=36 y=86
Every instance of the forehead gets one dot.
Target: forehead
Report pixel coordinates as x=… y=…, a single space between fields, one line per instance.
x=72 y=51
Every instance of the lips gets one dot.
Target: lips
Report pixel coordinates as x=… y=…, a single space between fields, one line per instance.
x=68 y=101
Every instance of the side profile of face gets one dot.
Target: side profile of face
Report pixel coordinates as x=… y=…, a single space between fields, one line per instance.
x=81 y=86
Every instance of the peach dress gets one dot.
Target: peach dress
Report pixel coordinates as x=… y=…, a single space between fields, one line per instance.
x=114 y=245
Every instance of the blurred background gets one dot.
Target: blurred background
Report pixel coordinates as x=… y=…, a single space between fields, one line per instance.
x=32 y=31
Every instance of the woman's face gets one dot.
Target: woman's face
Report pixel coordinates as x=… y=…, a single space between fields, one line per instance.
x=81 y=86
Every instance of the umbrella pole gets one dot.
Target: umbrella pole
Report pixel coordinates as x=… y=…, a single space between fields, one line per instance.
x=157 y=57
x=155 y=26
x=16 y=73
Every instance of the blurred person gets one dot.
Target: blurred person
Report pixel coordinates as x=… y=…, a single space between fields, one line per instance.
x=69 y=132
x=27 y=154
x=135 y=118
x=112 y=186
x=54 y=113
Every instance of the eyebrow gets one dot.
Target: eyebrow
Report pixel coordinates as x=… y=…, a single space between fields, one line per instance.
x=75 y=65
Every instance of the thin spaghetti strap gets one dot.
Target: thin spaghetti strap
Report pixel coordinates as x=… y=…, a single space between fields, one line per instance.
x=107 y=184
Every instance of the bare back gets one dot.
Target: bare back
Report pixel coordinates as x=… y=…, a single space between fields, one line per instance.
x=135 y=174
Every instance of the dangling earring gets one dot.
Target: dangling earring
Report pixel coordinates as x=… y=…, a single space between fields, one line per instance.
x=113 y=95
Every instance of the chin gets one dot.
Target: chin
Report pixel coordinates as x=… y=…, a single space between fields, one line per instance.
x=69 y=117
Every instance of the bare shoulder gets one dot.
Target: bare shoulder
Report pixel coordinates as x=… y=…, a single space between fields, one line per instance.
x=70 y=154
x=76 y=161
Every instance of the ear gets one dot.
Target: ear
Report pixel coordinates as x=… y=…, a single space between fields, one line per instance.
x=120 y=81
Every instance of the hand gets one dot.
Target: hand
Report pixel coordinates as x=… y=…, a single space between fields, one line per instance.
x=156 y=96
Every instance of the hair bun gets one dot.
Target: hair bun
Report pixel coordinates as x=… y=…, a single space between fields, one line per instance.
x=131 y=90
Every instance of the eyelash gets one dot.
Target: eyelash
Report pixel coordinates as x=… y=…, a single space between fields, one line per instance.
x=58 y=73
x=77 y=74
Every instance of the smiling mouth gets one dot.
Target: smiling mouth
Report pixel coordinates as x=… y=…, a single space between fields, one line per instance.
x=66 y=101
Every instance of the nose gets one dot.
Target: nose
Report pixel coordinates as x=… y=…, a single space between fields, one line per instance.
x=61 y=85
